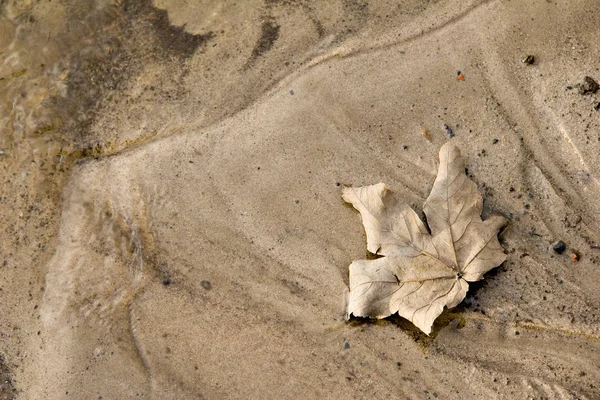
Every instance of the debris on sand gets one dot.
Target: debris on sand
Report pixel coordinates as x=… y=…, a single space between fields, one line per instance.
x=449 y=131
x=559 y=247
x=528 y=59
x=589 y=86
x=426 y=135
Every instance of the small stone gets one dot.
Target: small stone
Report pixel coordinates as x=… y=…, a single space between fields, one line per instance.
x=495 y=141
x=405 y=147
x=517 y=333
x=292 y=92
x=346 y=345
x=206 y=285
x=574 y=257
x=597 y=107
x=449 y=131
x=528 y=59
x=559 y=247
x=589 y=86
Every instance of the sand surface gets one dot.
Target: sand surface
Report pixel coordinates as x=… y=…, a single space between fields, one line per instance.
x=171 y=211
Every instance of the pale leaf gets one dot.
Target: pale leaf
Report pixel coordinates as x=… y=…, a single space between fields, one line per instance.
x=421 y=273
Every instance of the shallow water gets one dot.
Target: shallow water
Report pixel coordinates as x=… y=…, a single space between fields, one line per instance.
x=172 y=212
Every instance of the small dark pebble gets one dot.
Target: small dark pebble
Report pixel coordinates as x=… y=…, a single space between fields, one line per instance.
x=495 y=141
x=569 y=87
x=404 y=147
x=589 y=86
x=449 y=131
x=166 y=282
x=559 y=247
x=399 y=364
x=458 y=73
x=206 y=285
x=517 y=333
x=527 y=206
x=337 y=184
x=292 y=92
x=346 y=345
x=597 y=107
x=529 y=59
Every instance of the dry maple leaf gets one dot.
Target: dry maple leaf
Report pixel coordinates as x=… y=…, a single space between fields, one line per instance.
x=421 y=273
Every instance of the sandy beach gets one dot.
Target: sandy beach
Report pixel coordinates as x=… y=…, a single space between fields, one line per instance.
x=172 y=217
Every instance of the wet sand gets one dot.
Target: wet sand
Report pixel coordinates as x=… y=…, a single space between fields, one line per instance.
x=172 y=211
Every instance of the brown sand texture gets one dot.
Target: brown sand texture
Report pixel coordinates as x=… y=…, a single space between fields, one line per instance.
x=173 y=226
